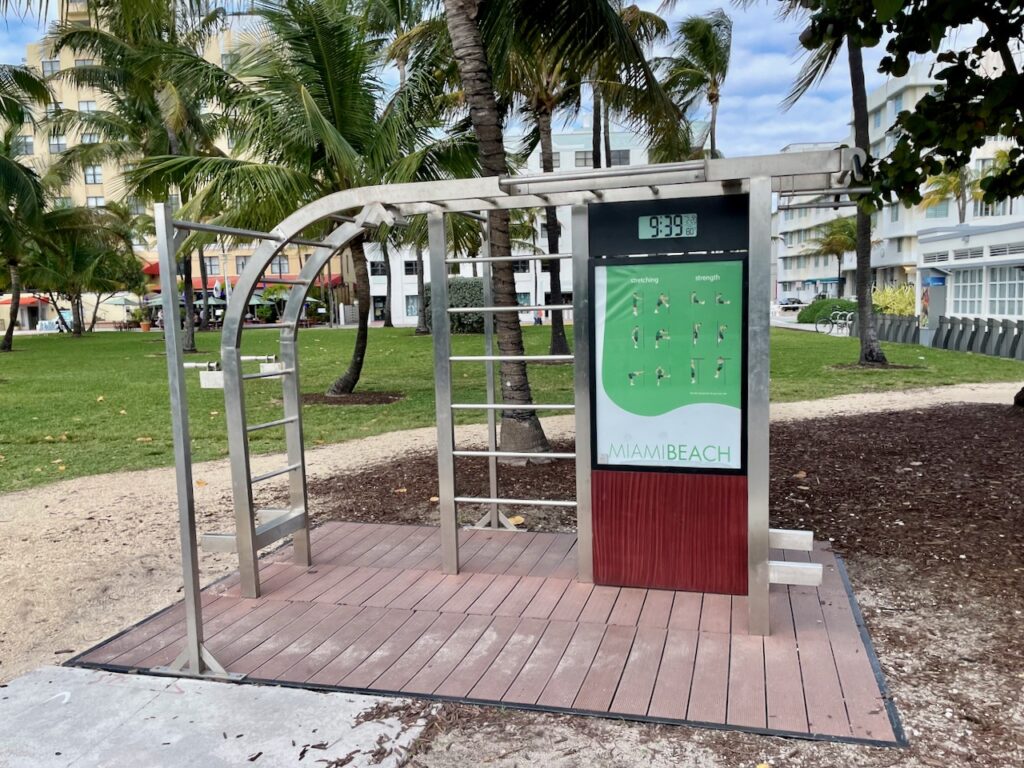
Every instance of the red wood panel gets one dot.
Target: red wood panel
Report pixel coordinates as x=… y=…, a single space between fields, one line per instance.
x=670 y=530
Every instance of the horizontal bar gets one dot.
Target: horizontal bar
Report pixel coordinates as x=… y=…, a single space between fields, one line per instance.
x=270 y=424
x=794 y=574
x=266 y=534
x=516 y=308
x=516 y=454
x=269 y=374
x=275 y=473
x=253 y=234
x=272 y=327
x=508 y=183
x=781 y=538
x=529 y=257
x=822 y=204
x=213 y=365
x=514 y=502
x=511 y=358
x=258 y=358
x=830 y=191
x=283 y=281
x=511 y=407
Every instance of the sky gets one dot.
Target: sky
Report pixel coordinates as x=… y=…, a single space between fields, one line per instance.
x=764 y=63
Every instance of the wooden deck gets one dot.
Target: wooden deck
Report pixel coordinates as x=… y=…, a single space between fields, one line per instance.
x=375 y=613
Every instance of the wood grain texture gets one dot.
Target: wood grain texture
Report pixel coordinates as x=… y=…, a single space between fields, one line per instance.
x=669 y=530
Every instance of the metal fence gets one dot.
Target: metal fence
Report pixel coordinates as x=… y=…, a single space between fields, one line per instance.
x=982 y=336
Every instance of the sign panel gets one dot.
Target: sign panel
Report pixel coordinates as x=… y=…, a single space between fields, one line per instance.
x=669 y=365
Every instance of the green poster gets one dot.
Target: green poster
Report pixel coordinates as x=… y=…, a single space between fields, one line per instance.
x=669 y=345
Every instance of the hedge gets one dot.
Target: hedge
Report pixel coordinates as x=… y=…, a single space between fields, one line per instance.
x=462 y=292
x=823 y=308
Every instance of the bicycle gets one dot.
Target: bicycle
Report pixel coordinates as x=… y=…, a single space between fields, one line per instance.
x=836 y=320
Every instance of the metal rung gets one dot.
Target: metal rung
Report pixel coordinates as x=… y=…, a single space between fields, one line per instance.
x=510 y=407
x=511 y=358
x=269 y=424
x=272 y=327
x=516 y=454
x=533 y=257
x=795 y=574
x=252 y=234
x=213 y=365
x=258 y=358
x=782 y=538
x=516 y=308
x=292 y=520
x=283 y=281
x=269 y=374
x=275 y=473
x=514 y=502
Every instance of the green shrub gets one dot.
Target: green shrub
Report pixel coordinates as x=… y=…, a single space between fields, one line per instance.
x=894 y=300
x=824 y=308
x=265 y=313
x=462 y=292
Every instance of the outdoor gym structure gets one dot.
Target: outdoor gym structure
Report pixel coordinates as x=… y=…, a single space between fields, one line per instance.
x=670 y=300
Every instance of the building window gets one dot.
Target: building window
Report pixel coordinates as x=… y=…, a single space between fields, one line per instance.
x=61 y=202
x=83 y=62
x=544 y=228
x=938 y=211
x=877 y=118
x=1006 y=291
x=279 y=266
x=982 y=209
x=54 y=109
x=136 y=207
x=58 y=144
x=228 y=60
x=51 y=67
x=897 y=105
x=584 y=159
x=556 y=160
x=894 y=213
x=411 y=267
x=240 y=263
x=967 y=291
x=377 y=268
x=521 y=266
x=23 y=145
x=95 y=201
x=87 y=106
x=93 y=174
x=90 y=138
x=412 y=306
x=523 y=299
x=899 y=245
x=620 y=157
x=212 y=265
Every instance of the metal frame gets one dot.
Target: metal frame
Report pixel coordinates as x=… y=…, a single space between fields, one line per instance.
x=359 y=210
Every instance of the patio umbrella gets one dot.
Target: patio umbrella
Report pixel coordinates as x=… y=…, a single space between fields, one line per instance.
x=121 y=301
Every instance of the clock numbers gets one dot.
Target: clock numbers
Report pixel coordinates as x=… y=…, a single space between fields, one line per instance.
x=667 y=225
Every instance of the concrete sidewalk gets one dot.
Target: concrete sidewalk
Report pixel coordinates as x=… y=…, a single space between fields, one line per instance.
x=62 y=716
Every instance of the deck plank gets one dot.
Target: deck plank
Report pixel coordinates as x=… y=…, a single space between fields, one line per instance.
x=787 y=710
x=333 y=646
x=520 y=597
x=628 y=606
x=572 y=601
x=509 y=662
x=494 y=595
x=716 y=613
x=532 y=554
x=633 y=696
x=378 y=662
x=657 y=609
x=599 y=604
x=398 y=675
x=480 y=657
x=572 y=668
x=536 y=672
x=826 y=712
x=671 y=695
x=686 y=609
x=277 y=666
x=602 y=680
x=710 y=687
x=747 y=706
x=282 y=639
x=449 y=655
x=546 y=599
x=367 y=644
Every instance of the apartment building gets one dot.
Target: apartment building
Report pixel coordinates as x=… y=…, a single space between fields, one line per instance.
x=896 y=251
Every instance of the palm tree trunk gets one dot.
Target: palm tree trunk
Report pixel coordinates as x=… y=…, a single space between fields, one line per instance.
x=870 y=348
x=8 y=342
x=598 y=122
x=714 y=122
x=422 y=329
x=559 y=344
x=840 y=286
x=188 y=342
x=77 y=315
x=95 y=313
x=387 y=285
x=346 y=383
x=520 y=429
x=607 y=137
x=204 y=318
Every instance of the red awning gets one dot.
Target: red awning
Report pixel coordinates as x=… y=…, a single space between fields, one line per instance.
x=27 y=301
x=152 y=268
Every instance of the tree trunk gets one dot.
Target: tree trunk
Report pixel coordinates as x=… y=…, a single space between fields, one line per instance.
x=60 y=318
x=95 y=313
x=714 y=121
x=520 y=429
x=598 y=122
x=77 y=315
x=188 y=342
x=346 y=384
x=8 y=342
x=204 y=279
x=422 y=329
x=607 y=137
x=840 y=285
x=559 y=344
x=1018 y=399
x=870 y=348
x=387 y=285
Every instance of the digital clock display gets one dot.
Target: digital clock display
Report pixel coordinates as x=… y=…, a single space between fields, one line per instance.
x=667 y=225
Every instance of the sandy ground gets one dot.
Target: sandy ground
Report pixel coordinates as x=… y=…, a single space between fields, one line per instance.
x=87 y=557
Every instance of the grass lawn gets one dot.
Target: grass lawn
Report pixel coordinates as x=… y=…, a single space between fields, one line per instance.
x=99 y=404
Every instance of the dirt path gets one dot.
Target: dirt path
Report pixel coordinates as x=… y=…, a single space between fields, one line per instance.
x=87 y=557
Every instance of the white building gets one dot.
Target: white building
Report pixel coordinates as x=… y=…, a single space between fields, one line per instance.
x=896 y=253
x=572 y=151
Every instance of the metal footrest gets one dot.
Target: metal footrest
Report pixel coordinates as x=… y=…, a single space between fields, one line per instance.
x=514 y=502
x=794 y=574
x=269 y=374
x=275 y=473
x=270 y=424
x=266 y=534
x=782 y=538
x=516 y=454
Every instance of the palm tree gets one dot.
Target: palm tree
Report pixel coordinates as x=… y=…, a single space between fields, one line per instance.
x=21 y=193
x=962 y=184
x=836 y=238
x=309 y=115
x=699 y=64
x=148 y=111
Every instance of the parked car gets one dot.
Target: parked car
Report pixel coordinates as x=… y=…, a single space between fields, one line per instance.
x=792 y=304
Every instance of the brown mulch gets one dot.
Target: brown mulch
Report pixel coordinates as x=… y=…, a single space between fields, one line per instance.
x=352 y=398
x=927 y=508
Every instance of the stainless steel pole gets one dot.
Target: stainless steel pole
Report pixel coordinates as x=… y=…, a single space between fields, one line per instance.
x=581 y=344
